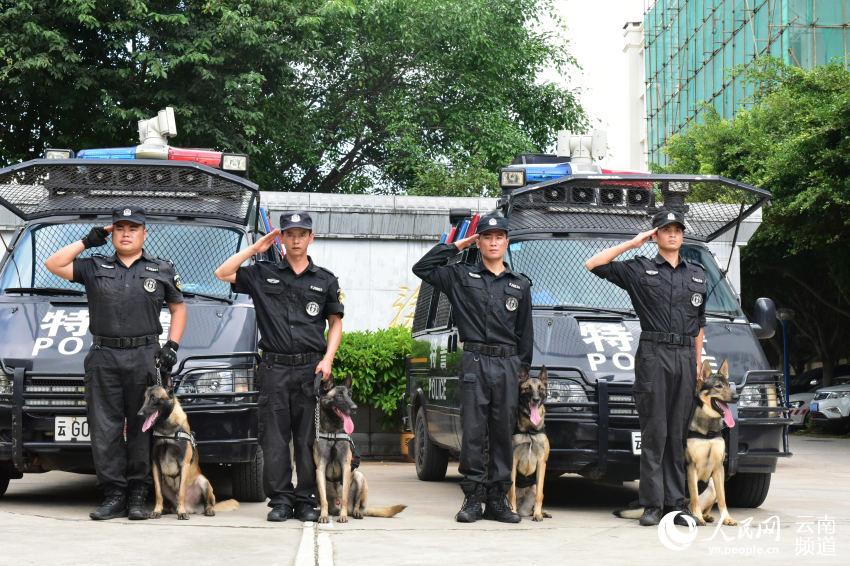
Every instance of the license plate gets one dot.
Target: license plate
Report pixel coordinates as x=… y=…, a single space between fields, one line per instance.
x=71 y=429
x=636 y=443
x=813 y=407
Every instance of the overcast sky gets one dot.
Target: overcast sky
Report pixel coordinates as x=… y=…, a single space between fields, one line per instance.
x=595 y=33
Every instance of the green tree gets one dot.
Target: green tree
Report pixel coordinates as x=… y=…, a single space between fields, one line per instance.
x=325 y=95
x=795 y=142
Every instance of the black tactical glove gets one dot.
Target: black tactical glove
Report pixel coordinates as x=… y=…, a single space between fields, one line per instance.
x=168 y=355
x=95 y=238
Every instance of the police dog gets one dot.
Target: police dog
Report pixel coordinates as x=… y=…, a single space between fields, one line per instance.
x=706 y=448
x=531 y=447
x=342 y=490
x=178 y=482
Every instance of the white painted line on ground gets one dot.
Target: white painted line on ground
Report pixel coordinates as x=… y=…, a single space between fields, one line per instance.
x=306 y=555
x=325 y=553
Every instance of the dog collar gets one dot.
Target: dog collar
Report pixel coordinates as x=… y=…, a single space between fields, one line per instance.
x=711 y=434
x=179 y=435
x=334 y=436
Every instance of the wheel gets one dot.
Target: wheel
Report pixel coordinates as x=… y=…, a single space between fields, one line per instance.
x=431 y=460
x=4 y=482
x=248 y=479
x=747 y=490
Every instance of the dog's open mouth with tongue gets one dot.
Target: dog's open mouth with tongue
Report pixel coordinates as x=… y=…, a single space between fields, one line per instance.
x=724 y=410
x=149 y=421
x=347 y=423
x=534 y=413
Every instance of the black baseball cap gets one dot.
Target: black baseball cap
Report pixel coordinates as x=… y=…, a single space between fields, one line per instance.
x=296 y=220
x=492 y=222
x=664 y=217
x=134 y=214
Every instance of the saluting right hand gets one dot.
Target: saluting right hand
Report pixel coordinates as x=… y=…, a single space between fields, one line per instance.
x=642 y=238
x=466 y=242
x=97 y=236
x=265 y=242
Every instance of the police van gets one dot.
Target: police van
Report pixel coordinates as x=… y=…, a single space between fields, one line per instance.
x=200 y=210
x=585 y=329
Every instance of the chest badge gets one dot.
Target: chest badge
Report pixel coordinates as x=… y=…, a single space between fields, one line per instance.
x=696 y=299
x=273 y=281
x=474 y=275
x=312 y=308
x=515 y=286
x=149 y=268
x=511 y=304
x=150 y=285
x=317 y=289
x=698 y=280
x=651 y=272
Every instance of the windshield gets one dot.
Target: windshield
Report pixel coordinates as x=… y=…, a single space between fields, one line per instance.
x=556 y=268
x=196 y=250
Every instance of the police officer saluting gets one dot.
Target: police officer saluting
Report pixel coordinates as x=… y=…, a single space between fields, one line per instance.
x=668 y=294
x=293 y=298
x=125 y=295
x=492 y=307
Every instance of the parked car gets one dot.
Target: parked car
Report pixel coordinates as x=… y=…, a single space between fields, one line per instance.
x=830 y=407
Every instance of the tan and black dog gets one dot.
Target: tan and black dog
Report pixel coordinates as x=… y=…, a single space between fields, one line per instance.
x=342 y=491
x=706 y=448
x=531 y=447
x=177 y=478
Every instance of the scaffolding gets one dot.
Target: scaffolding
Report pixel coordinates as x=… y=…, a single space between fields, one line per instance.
x=692 y=48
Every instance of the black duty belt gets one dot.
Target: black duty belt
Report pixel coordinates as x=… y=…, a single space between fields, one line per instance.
x=667 y=338
x=497 y=350
x=292 y=359
x=133 y=342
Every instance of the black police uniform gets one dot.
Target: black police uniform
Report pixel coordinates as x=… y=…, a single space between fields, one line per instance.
x=493 y=315
x=291 y=312
x=670 y=303
x=124 y=307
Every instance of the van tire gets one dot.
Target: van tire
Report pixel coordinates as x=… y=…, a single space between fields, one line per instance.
x=247 y=479
x=4 y=482
x=747 y=490
x=431 y=460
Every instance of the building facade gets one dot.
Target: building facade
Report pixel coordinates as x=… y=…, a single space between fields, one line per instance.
x=692 y=49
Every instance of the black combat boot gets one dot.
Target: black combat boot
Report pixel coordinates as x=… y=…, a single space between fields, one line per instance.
x=305 y=511
x=498 y=508
x=136 y=506
x=682 y=511
x=470 y=511
x=114 y=505
x=651 y=517
x=280 y=513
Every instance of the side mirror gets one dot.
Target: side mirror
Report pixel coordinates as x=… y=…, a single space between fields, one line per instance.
x=764 y=319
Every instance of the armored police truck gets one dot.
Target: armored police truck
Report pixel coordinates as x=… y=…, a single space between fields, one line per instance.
x=586 y=332
x=200 y=210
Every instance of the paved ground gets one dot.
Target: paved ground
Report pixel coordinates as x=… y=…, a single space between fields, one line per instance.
x=44 y=520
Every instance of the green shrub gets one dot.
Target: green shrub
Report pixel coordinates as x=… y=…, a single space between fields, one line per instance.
x=376 y=362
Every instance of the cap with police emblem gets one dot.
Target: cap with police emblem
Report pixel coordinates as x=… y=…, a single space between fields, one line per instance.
x=492 y=222
x=664 y=217
x=296 y=220
x=134 y=214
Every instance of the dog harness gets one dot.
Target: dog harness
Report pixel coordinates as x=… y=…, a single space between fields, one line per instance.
x=179 y=435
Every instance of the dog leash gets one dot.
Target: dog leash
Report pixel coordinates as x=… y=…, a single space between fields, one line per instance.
x=317 y=384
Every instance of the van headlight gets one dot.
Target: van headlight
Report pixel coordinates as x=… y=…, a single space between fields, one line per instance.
x=5 y=384
x=759 y=395
x=217 y=381
x=565 y=391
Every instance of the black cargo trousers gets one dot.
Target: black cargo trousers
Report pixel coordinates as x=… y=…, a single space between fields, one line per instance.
x=286 y=412
x=664 y=390
x=115 y=383
x=489 y=394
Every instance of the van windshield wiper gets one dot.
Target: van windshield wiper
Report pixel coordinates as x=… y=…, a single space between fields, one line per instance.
x=621 y=312
x=725 y=315
x=205 y=296
x=53 y=291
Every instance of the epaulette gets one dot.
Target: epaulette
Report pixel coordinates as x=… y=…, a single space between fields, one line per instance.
x=99 y=256
x=328 y=271
x=696 y=263
x=526 y=277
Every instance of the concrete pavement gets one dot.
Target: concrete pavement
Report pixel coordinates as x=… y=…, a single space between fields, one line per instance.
x=44 y=520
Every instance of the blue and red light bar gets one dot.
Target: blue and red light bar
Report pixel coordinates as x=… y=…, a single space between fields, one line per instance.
x=233 y=162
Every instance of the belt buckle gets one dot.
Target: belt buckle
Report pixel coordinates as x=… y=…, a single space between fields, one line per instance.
x=123 y=342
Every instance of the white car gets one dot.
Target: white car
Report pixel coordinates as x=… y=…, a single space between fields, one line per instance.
x=799 y=405
x=831 y=405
